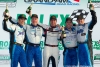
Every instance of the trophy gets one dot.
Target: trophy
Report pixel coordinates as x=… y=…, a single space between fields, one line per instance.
x=6 y=15
x=63 y=32
x=29 y=9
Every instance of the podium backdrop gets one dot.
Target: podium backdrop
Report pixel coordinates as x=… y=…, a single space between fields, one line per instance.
x=44 y=11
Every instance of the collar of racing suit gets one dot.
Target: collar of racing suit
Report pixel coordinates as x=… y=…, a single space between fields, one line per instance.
x=53 y=26
x=72 y=29
x=81 y=24
x=19 y=25
x=34 y=25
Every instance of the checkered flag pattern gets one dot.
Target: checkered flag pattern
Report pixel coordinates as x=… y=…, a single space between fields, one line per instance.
x=78 y=12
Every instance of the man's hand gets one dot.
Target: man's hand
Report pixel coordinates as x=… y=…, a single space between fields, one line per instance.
x=5 y=19
x=91 y=7
x=4 y=13
x=62 y=36
x=30 y=13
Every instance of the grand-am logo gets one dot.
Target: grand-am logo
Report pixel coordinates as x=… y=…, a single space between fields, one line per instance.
x=96 y=3
x=10 y=3
x=54 y=2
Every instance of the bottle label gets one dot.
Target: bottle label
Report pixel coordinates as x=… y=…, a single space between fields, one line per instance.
x=64 y=35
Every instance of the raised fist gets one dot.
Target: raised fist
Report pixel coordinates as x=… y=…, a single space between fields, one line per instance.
x=91 y=7
x=6 y=15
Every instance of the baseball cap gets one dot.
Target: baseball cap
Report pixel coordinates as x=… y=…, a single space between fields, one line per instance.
x=22 y=16
x=79 y=17
x=53 y=17
x=34 y=15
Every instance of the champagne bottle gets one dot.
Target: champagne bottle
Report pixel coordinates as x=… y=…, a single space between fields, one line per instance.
x=63 y=31
x=29 y=9
x=6 y=12
x=91 y=6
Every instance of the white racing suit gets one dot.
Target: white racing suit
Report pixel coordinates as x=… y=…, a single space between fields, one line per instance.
x=51 y=51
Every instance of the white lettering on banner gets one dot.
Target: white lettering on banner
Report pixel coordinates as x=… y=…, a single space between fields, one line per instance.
x=34 y=1
x=96 y=3
x=54 y=2
x=4 y=59
x=10 y=3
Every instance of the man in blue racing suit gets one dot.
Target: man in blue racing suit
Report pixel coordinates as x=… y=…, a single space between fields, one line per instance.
x=82 y=34
x=70 y=44
x=34 y=34
x=11 y=34
x=18 y=34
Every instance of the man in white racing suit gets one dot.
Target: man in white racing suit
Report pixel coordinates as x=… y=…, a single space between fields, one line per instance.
x=52 y=36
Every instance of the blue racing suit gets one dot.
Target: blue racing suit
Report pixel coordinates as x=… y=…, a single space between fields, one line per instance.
x=33 y=49
x=82 y=37
x=70 y=48
x=18 y=54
